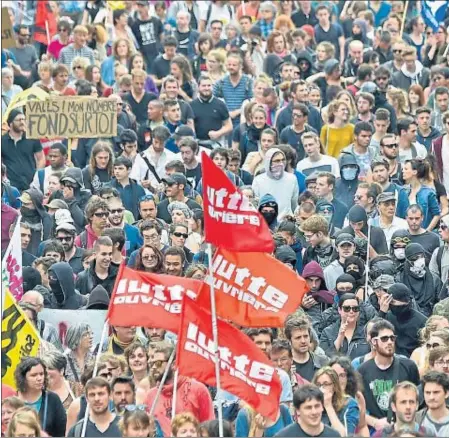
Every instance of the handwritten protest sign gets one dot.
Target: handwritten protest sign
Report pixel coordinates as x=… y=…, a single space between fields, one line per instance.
x=82 y=117
x=8 y=40
x=19 y=338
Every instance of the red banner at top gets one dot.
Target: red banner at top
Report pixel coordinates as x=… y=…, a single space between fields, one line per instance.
x=149 y=300
x=245 y=371
x=230 y=220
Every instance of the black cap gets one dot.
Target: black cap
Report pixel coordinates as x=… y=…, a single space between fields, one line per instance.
x=344 y=238
x=183 y=131
x=400 y=292
x=175 y=178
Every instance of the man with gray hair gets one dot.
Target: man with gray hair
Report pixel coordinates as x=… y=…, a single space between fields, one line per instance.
x=9 y=89
x=186 y=36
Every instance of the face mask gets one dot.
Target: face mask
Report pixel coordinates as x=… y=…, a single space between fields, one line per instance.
x=399 y=253
x=418 y=267
x=277 y=170
x=349 y=173
x=328 y=217
x=56 y=288
x=25 y=211
x=269 y=217
x=356 y=274
x=400 y=310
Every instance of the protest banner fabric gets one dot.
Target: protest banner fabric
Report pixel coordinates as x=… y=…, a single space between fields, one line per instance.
x=230 y=220
x=149 y=300
x=74 y=117
x=253 y=289
x=8 y=40
x=20 y=99
x=19 y=337
x=245 y=371
x=12 y=264
x=434 y=12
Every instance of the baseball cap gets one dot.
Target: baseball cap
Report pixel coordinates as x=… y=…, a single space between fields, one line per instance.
x=183 y=131
x=384 y=281
x=57 y=203
x=344 y=238
x=25 y=198
x=69 y=178
x=175 y=178
x=65 y=227
x=385 y=197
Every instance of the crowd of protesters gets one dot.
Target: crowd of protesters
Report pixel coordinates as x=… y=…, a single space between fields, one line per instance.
x=332 y=117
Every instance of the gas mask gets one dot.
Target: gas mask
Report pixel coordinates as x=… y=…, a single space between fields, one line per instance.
x=399 y=253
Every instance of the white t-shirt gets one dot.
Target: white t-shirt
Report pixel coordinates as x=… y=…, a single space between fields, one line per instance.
x=324 y=164
x=404 y=155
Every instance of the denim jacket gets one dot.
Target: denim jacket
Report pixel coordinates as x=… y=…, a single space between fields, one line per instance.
x=426 y=198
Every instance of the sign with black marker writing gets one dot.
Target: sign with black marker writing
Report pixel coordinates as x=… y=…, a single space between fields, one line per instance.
x=75 y=117
x=8 y=40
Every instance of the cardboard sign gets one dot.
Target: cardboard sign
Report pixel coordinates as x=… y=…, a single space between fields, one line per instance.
x=8 y=40
x=78 y=117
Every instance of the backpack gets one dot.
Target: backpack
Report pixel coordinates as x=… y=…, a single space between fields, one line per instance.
x=209 y=13
x=83 y=239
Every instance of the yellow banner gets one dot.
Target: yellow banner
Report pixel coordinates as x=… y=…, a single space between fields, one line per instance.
x=19 y=338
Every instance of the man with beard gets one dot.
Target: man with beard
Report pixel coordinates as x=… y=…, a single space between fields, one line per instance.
x=212 y=119
x=174 y=260
x=101 y=421
x=389 y=148
x=382 y=373
x=192 y=396
x=188 y=147
x=405 y=319
x=101 y=271
x=123 y=391
x=155 y=334
x=65 y=233
x=116 y=219
x=424 y=286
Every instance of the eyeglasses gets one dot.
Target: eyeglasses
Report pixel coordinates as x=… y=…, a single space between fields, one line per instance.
x=434 y=345
x=151 y=237
x=325 y=385
x=117 y=210
x=280 y=360
x=178 y=234
x=347 y=309
x=443 y=227
x=62 y=29
x=391 y=146
x=102 y=215
x=149 y=257
x=64 y=239
x=342 y=376
x=391 y=338
x=156 y=363
x=442 y=363
x=132 y=408
x=297 y=116
x=309 y=236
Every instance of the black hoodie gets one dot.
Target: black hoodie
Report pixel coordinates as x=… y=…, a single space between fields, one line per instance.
x=304 y=55
x=88 y=280
x=98 y=299
x=39 y=220
x=63 y=287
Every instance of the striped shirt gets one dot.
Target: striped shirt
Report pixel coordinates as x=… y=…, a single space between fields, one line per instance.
x=69 y=53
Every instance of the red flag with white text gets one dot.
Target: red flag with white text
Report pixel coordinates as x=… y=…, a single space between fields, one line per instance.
x=245 y=371
x=230 y=220
x=149 y=300
x=253 y=289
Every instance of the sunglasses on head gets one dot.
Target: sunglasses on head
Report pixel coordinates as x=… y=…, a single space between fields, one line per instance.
x=347 y=309
x=132 y=408
x=178 y=234
x=391 y=338
x=443 y=227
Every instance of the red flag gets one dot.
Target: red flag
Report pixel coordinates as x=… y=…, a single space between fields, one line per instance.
x=149 y=300
x=253 y=289
x=245 y=371
x=44 y=17
x=230 y=221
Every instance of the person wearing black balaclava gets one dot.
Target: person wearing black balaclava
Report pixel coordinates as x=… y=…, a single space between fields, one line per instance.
x=406 y=321
x=355 y=266
x=345 y=284
x=425 y=287
x=326 y=209
x=268 y=208
x=358 y=227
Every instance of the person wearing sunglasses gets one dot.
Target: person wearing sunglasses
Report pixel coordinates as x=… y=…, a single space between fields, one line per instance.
x=346 y=335
x=179 y=233
x=399 y=240
x=380 y=374
x=65 y=233
x=389 y=149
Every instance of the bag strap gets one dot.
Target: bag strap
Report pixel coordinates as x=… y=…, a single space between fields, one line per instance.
x=414 y=151
x=396 y=364
x=440 y=258
x=83 y=239
x=41 y=176
x=151 y=168
x=72 y=366
x=44 y=421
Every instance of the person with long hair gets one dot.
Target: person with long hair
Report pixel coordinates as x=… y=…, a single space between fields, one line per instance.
x=397 y=98
x=324 y=51
x=432 y=180
x=24 y=423
x=135 y=422
x=120 y=28
x=414 y=172
x=205 y=45
x=284 y=24
x=79 y=67
x=277 y=44
x=342 y=412
x=149 y=259
x=216 y=64
x=137 y=360
x=61 y=39
x=122 y=50
x=9 y=406
x=260 y=84
x=435 y=49
x=180 y=68
x=32 y=387
x=416 y=29
x=137 y=61
x=93 y=75
x=415 y=97
x=99 y=171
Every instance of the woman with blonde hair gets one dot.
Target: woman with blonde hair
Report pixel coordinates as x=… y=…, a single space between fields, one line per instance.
x=122 y=51
x=79 y=67
x=398 y=99
x=185 y=425
x=420 y=355
x=324 y=51
x=216 y=64
x=345 y=96
x=24 y=423
x=97 y=38
x=338 y=132
x=9 y=407
x=341 y=412
x=44 y=70
x=260 y=83
x=99 y=170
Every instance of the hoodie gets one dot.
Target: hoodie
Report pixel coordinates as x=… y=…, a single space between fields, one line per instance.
x=323 y=297
x=404 y=79
x=346 y=189
x=304 y=55
x=63 y=287
x=38 y=219
x=98 y=299
x=283 y=187
x=88 y=280
x=427 y=141
x=268 y=200
x=249 y=140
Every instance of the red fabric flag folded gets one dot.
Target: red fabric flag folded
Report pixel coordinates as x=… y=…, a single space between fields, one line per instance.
x=149 y=300
x=230 y=220
x=253 y=289
x=44 y=17
x=245 y=371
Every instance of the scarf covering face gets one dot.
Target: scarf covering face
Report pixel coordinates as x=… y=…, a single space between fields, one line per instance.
x=274 y=171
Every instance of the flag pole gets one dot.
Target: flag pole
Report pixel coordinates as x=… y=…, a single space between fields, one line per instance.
x=164 y=378
x=215 y=336
x=404 y=18
x=365 y=290
x=97 y=361
x=175 y=390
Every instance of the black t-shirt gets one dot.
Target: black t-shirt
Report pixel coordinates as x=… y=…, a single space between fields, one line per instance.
x=305 y=370
x=378 y=384
x=140 y=109
x=160 y=67
x=92 y=431
x=429 y=241
x=194 y=175
x=208 y=116
x=148 y=35
x=335 y=31
x=186 y=111
x=183 y=42
x=296 y=431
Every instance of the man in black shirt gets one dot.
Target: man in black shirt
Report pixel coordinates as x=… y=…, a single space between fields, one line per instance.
x=212 y=120
x=304 y=15
x=161 y=65
x=188 y=147
x=308 y=401
x=381 y=374
x=186 y=36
